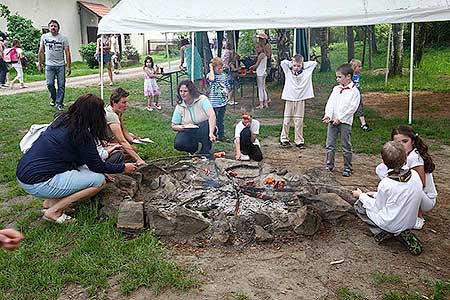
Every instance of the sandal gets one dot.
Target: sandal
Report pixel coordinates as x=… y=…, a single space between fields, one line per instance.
x=60 y=220
x=347 y=173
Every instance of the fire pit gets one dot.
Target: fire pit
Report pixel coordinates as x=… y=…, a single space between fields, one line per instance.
x=224 y=201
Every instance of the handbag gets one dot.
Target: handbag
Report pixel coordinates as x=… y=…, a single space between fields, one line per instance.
x=31 y=136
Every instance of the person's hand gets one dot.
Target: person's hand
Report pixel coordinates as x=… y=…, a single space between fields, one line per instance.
x=40 y=68
x=68 y=71
x=336 y=122
x=212 y=137
x=326 y=120
x=129 y=168
x=356 y=193
x=116 y=147
x=10 y=238
x=140 y=162
x=109 y=178
x=211 y=67
x=238 y=155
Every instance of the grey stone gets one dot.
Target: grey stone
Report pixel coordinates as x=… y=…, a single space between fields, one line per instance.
x=261 y=235
x=110 y=198
x=262 y=219
x=220 y=232
x=310 y=225
x=161 y=223
x=330 y=205
x=190 y=222
x=126 y=184
x=242 y=228
x=131 y=216
x=154 y=184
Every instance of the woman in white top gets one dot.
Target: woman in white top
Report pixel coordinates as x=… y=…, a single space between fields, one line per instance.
x=260 y=67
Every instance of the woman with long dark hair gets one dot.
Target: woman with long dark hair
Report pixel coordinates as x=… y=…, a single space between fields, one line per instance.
x=194 y=120
x=51 y=168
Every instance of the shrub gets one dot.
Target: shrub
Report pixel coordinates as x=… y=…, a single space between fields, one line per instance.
x=87 y=53
x=30 y=64
x=131 y=53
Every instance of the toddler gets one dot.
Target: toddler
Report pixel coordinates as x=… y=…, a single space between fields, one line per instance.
x=151 y=88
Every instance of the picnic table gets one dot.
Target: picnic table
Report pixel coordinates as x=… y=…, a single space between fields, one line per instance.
x=168 y=77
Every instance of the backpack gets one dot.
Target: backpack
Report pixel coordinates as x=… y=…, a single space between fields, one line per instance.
x=32 y=135
x=10 y=55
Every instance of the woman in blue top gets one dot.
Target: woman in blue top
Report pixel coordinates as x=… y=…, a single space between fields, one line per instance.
x=52 y=167
x=186 y=57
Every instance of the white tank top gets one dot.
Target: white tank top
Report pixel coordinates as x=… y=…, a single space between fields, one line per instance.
x=261 y=69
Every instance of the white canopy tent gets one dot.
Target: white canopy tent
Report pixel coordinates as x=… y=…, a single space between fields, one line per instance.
x=137 y=16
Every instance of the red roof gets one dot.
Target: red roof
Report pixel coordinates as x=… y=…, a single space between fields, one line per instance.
x=98 y=9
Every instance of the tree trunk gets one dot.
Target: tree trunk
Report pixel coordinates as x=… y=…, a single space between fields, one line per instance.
x=230 y=38
x=374 y=40
x=364 y=46
x=397 y=52
x=419 y=43
x=350 y=43
x=283 y=45
x=370 y=45
x=325 y=64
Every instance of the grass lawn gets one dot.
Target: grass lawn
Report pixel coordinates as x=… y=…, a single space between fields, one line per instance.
x=91 y=251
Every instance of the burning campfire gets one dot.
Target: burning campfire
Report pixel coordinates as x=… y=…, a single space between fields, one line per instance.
x=224 y=201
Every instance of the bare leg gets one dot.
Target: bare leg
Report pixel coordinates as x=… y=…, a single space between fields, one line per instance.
x=110 y=73
x=57 y=209
x=362 y=120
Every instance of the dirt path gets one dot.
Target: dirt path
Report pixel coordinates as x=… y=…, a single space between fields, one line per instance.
x=80 y=81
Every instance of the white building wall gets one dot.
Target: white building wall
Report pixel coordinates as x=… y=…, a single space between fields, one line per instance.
x=66 y=12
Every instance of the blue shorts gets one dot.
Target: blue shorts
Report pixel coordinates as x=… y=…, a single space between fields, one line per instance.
x=64 y=184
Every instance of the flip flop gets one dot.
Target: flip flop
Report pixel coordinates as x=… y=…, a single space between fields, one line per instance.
x=60 y=220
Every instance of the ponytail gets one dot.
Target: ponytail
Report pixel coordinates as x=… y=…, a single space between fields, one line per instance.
x=419 y=144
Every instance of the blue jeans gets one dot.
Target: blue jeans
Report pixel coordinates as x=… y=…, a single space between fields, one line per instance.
x=64 y=184
x=188 y=140
x=58 y=72
x=220 y=114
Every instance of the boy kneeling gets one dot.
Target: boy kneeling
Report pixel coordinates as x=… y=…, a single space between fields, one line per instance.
x=245 y=141
x=392 y=210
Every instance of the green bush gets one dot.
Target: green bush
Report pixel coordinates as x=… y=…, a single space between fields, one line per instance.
x=30 y=67
x=22 y=29
x=131 y=53
x=87 y=52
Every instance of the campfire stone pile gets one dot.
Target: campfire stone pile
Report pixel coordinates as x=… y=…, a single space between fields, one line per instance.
x=224 y=201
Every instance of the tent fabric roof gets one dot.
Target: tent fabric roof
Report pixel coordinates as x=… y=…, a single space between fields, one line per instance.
x=97 y=9
x=137 y=16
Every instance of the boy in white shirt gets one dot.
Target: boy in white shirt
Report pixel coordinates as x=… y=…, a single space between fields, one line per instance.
x=245 y=141
x=393 y=209
x=341 y=106
x=297 y=88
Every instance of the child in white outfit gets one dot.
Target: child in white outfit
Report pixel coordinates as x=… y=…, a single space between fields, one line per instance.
x=341 y=106
x=419 y=160
x=151 y=88
x=394 y=207
x=297 y=88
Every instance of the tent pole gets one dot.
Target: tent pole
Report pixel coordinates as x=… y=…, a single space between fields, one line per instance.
x=294 y=51
x=411 y=71
x=192 y=55
x=309 y=44
x=101 y=66
x=167 y=51
x=388 y=55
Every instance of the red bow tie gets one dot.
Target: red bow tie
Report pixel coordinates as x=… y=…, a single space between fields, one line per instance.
x=343 y=88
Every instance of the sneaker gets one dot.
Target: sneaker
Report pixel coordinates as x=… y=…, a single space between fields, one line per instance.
x=410 y=241
x=158 y=107
x=419 y=223
x=330 y=169
x=347 y=173
x=365 y=127
x=285 y=144
x=232 y=102
x=244 y=157
x=300 y=146
x=52 y=103
x=60 y=107
x=149 y=108
x=382 y=236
